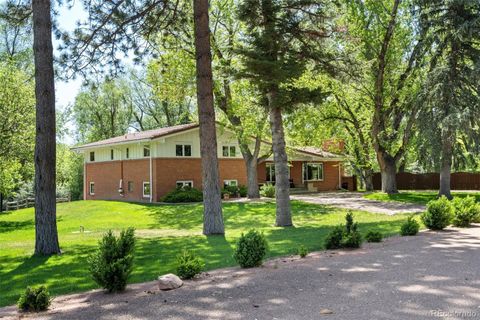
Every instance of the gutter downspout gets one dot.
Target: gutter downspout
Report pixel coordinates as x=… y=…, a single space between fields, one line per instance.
x=339 y=176
x=151 y=175
x=84 y=178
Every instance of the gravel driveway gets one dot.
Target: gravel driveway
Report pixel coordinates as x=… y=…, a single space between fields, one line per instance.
x=356 y=201
x=434 y=275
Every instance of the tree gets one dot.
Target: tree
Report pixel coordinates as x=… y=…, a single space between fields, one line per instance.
x=451 y=92
x=391 y=51
x=46 y=236
x=281 y=37
x=212 y=216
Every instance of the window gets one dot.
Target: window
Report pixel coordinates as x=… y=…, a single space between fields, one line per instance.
x=232 y=183
x=270 y=168
x=92 y=156
x=111 y=154
x=229 y=151
x=313 y=171
x=130 y=186
x=183 y=150
x=188 y=183
x=91 y=188
x=127 y=153
x=146 y=151
x=146 y=189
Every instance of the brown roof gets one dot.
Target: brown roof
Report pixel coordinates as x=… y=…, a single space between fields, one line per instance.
x=317 y=152
x=142 y=135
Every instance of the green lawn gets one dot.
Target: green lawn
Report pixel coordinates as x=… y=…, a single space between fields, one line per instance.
x=162 y=232
x=420 y=197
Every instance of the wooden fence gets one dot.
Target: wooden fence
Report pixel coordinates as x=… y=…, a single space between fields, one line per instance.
x=431 y=181
x=27 y=203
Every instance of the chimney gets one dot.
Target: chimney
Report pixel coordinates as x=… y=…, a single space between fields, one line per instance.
x=334 y=145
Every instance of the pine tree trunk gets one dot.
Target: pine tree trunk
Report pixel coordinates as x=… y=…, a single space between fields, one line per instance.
x=212 y=203
x=253 y=191
x=46 y=236
x=282 y=183
x=388 y=170
x=446 y=165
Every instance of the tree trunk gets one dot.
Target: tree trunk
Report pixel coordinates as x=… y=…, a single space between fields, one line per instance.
x=253 y=191
x=46 y=236
x=388 y=170
x=368 y=176
x=282 y=183
x=446 y=165
x=212 y=203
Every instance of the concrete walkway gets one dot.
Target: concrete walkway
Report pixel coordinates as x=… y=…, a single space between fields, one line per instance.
x=429 y=276
x=356 y=201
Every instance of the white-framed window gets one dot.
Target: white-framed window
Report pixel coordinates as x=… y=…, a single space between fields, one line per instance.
x=184 y=183
x=270 y=170
x=232 y=183
x=130 y=186
x=313 y=172
x=229 y=151
x=146 y=189
x=92 y=156
x=146 y=151
x=183 y=150
x=112 y=155
x=91 y=188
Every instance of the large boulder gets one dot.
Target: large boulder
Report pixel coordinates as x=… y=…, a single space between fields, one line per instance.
x=169 y=282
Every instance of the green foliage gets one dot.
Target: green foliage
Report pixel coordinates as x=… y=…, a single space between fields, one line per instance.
x=232 y=191
x=302 y=251
x=183 y=194
x=374 y=236
x=250 y=249
x=344 y=236
x=112 y=263
x=243 y=191
x=189 y=265
x=410 y=227
x=267 y=190
x=439 y=214
x=34 y=299
x=69 y=172
x=466 y=211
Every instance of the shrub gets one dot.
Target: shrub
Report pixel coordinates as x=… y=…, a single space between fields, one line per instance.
x=334 y=238
x=243 y=191
x=267 y=190
x=250 y=250
x=183 y=194
x=189 y=265
x=466 y=211
x=374 y=236
x=302 y=251
x=230 y=190
x=112 y=262
x=439 y=214
x=410 y=227
x=344 y=236
x=34 y=299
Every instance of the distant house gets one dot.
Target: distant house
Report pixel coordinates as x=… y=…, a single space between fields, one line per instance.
x=144 y=166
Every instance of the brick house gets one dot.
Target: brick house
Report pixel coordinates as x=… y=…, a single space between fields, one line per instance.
x=144 y=166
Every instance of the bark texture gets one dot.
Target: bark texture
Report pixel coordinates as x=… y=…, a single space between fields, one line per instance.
x=212 y=203
x=446 y=165
x=46 y=236
x=282 y=184
x=388 y=169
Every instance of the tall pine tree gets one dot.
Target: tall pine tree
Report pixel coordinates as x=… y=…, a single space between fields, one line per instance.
x=282 y=37
x=451 y=91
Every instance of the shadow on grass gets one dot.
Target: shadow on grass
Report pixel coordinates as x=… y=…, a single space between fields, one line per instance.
x=8 y=226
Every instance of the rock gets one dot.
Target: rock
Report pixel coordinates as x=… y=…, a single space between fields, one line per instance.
x=169 y=282
x=326 y=311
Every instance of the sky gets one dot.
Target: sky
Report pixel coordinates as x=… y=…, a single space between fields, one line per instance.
x=66 y=91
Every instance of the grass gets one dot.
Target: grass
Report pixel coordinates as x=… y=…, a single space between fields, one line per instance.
x=162 y=232
x=419 y=197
